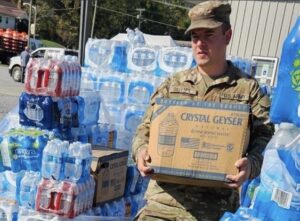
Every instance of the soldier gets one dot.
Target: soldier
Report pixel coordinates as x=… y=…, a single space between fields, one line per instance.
x=213 y=79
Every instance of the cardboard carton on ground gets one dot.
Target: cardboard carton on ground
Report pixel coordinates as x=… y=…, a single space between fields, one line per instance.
x=109 y=167
x=197 y=142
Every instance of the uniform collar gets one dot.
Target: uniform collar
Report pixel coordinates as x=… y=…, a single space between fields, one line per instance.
x=195 y=77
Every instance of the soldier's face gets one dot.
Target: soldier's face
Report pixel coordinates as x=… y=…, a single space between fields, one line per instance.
x=209 y=45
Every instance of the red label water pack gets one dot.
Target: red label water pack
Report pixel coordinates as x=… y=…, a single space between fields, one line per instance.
x=55 y=78
x=65 y=198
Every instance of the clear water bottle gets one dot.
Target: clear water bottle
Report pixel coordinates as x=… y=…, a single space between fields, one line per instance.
x=100 y=135
x=3 y=183
x=73 y=167
x=111 y=114
x=119 y=59
x=142 y=59
x=278 y=193
x=88 y=110
x=139 y=37
x=28 y=188
x=78 y=162
x=250 y=192
x=36 y=111
x=285 y=134
x=130 y=35
x=82 y=134
x=133 y=117
x=8 y=210
x=52 y=162
x=88 y=79
x=174 y=59
x=98 y=53
x=13 y=181
x=287 y=82
x=140 y=89
x=112 y=89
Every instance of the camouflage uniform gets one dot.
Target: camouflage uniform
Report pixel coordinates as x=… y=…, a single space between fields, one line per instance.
x=167 y=201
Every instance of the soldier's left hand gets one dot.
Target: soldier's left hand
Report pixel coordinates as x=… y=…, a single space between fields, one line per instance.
x=244 y=167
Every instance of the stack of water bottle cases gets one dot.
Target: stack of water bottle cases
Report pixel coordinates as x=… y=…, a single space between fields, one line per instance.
x=44 y=167
x=275 y=194
x=65 y=110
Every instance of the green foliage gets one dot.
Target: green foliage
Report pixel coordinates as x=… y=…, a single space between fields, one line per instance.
x=59 y=20
x=53 y=44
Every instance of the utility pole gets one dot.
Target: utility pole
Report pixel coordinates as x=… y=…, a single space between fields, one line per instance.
x=85 y=27
x=34 y=21
x=94 y=18
x=140 y=16
x=29 y=25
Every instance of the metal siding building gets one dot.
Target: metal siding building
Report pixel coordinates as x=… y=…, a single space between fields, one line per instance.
x=260 y=26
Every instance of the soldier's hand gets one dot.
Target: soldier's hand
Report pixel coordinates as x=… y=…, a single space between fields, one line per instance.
x=142 y=159
x=244 y=167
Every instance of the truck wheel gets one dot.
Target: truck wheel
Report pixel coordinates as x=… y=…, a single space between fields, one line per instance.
x=16 y=73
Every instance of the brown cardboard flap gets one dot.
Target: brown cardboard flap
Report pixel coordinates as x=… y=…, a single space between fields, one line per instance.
x=188 y=181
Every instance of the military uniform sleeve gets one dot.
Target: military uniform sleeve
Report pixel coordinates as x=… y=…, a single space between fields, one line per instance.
x=141 y=139
x=261 y=128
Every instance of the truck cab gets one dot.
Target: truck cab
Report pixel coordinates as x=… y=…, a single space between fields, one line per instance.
x=14 y=67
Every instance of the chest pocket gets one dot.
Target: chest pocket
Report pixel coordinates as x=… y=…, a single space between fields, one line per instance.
x=234 y=98
x=182 y=92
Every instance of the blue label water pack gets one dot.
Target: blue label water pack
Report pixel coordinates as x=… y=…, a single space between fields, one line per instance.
x=285 y=105
x=21 y=149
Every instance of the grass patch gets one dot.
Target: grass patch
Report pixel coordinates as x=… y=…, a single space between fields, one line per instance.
x=53 y=44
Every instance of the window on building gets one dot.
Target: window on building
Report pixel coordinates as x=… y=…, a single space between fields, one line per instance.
x=0 y=19
x=6 y=20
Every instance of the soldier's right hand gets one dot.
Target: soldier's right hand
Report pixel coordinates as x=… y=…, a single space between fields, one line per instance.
x=142 y=159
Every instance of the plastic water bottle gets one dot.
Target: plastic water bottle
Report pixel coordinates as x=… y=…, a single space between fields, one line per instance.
x=250 y=192
x=82 y=134
x=174 y=59
x=140 y=89
x=88 y=79
x=88 y=110
x=139 y=37
x=286 y=133
x=13 y=181
x=111 y=114
x=130 y=35
x=98 y=53
x=28 y=188
x=288 y=86
x=3 y=183
x=8 y=210
x=73 y=168
x=104 y=135
x=142 y=58
x=119 y=59
x=36 y=111
x=278 y=195
x=112 y=89
x=52 y=163
x=78 y=161
x=133 y=117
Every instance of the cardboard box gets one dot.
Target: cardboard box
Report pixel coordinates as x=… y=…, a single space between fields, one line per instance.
x=197 y=142
x=109 y=167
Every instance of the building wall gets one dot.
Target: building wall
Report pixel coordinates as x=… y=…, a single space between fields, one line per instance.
x=260 y=26
x=7 y=21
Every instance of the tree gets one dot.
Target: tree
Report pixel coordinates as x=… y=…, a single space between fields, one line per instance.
x=59 y=20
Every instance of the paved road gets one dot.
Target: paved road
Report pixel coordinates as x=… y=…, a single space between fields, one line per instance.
x=9 y=91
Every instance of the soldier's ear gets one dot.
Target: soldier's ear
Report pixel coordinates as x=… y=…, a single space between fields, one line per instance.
x=228 y=35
